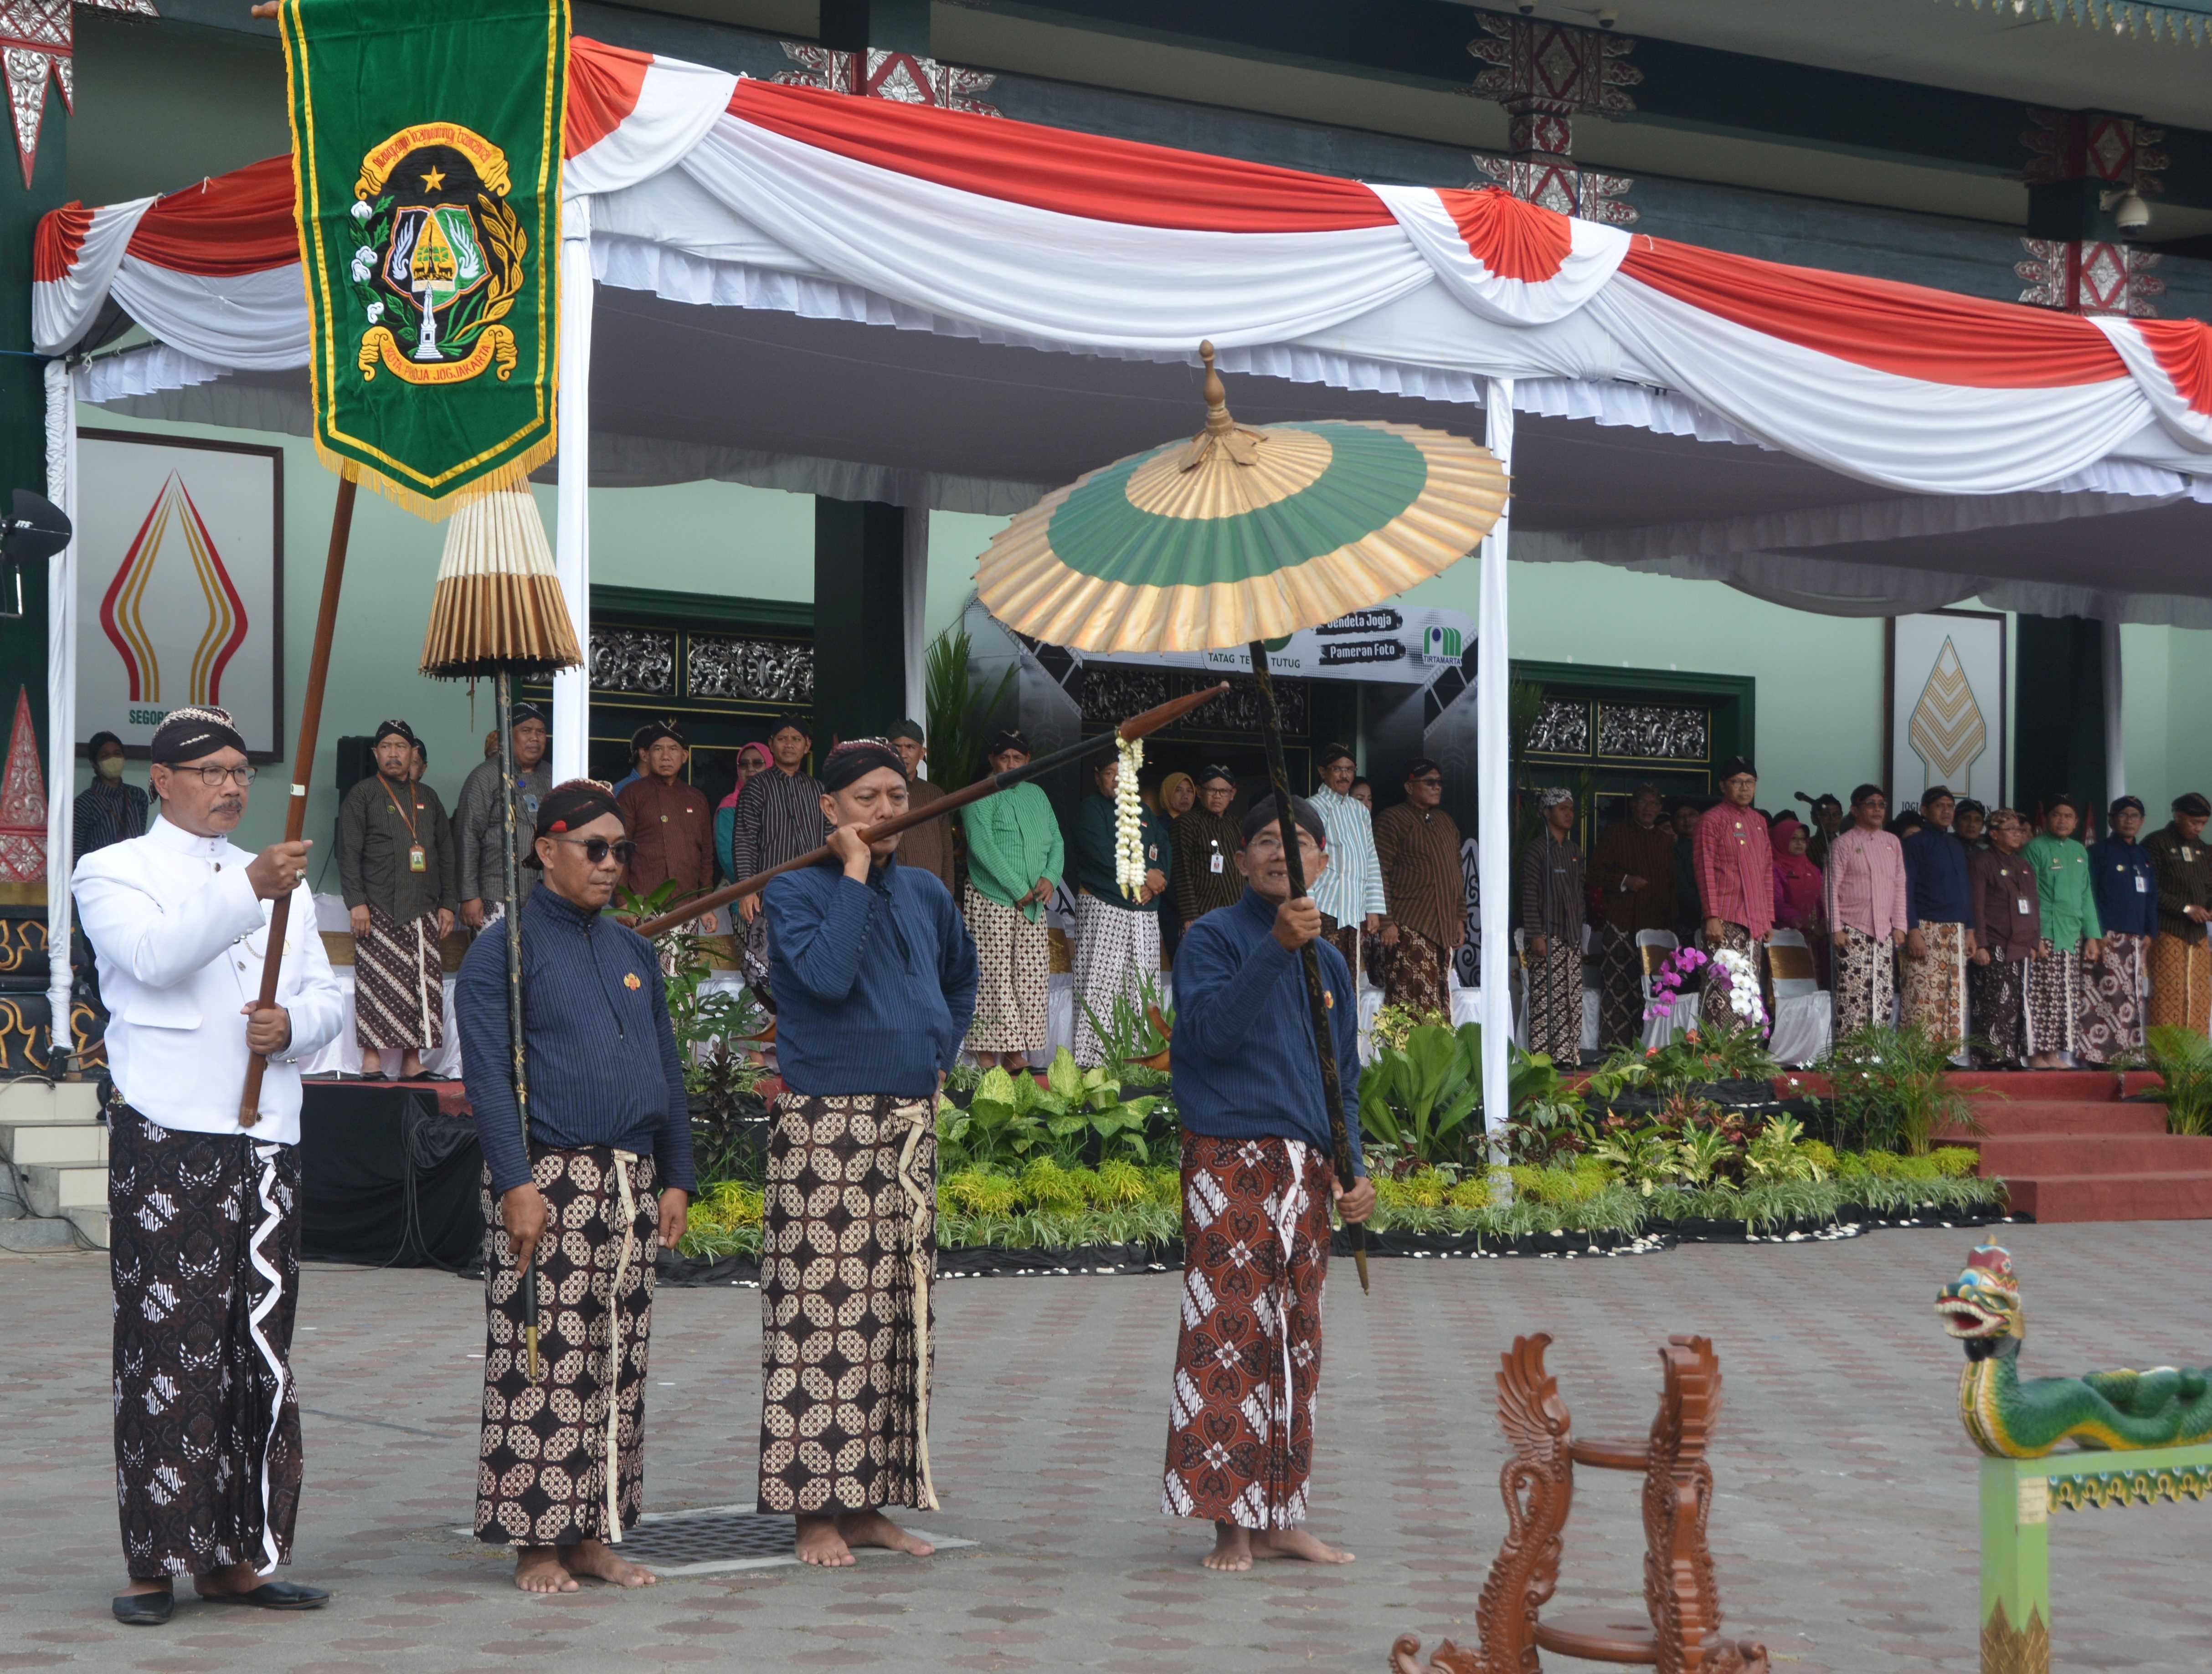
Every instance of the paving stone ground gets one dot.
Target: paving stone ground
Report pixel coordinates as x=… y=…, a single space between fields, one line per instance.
x=1844 y=1527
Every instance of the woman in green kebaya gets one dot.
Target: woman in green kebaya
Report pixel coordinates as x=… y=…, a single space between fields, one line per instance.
x=2071 y=932
x=1015 y=857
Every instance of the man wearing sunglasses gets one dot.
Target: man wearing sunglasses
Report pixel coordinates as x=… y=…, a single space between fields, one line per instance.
x=875 y=982
x=204 y=1210
x=605 y=1180
x=1425 y=882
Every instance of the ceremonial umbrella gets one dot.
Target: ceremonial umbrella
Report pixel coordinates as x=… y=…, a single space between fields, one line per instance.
x=1239 y=537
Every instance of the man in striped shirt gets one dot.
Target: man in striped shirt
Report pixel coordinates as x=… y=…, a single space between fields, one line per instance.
x=778 y=818
x=1349 y=893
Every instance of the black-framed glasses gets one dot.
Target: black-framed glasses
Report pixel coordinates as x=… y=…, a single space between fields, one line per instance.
x=596 y=849
x=1435 y=781
x=214 y=778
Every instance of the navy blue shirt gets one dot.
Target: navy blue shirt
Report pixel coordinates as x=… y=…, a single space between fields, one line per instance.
x=599 y=1048
x=2126 y=886
x=1244 y=1065
x=1936 y=879
x=874 y=982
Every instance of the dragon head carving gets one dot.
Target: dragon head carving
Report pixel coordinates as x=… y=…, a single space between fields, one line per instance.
x=1981 y=1307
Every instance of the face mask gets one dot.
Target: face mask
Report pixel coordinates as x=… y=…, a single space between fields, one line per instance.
x=109 y=766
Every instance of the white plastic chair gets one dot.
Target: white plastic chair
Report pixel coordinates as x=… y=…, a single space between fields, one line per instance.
x=1804 y=1013
x=1653 y=948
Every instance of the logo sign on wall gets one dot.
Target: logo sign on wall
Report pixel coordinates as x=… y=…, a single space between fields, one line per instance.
x=179 y=584
x=1410 y=644
x=1948 y=703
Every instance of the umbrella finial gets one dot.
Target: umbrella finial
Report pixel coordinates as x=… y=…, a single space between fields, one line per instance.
x=1240 y=445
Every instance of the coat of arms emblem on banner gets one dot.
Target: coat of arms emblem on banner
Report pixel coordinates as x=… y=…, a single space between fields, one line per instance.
x=440 y=255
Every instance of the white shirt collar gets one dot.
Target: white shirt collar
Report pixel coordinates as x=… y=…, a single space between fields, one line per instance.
x=177 y=840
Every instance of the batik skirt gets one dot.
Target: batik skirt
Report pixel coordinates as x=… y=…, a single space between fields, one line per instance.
x=2109 y=1017
x=1555 y=1002
x=847 y=1248
x=1013 y=970
x=203 y=1248
x=562 y=1459
x=1734 y=938
x=1346 y=939
x=1117 y=950
x=1620 y=989
x=1248 y=1362
x=399 y=984
x=1999 y=992
x=1935 y=984
x=2181 y=981
x=1866 y=982
x=1413 y=973
x=2054 y=988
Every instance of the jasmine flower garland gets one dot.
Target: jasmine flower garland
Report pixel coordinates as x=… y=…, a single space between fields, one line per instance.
x=1129 y=822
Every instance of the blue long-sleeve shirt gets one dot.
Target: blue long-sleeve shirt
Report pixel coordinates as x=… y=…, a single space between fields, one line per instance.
x=1936 y=879
x=1243 y=1062
x=874 y=982
x=2126 y=887
x=598 y=1046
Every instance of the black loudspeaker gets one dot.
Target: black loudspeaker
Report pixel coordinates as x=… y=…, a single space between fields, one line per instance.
x=356 y=761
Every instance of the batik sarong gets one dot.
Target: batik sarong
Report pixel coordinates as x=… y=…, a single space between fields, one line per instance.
x=848 y=1250
x=1620 y=989
x=1413 y=973
x=1248 y=1362
x=562 y=1459
x=2181 y=981
x=1555 y=1003
x=203 y=1248
x=1999 y=992
x=399 y=984
x=1013 y=973
x=1935 y=984
x=1346 y=938
x=1721 y=999
x=1866 y=982
x=2109 y=1020
x=2054 y=986
x=1117 y=949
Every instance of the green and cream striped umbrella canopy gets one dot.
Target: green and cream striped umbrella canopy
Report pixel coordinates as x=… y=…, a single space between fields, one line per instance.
x=1241 y=534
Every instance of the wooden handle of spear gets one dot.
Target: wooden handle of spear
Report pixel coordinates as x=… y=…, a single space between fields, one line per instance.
x=1137 y=726
x=303 y=760
x=504 y=682
x=1332 y=1087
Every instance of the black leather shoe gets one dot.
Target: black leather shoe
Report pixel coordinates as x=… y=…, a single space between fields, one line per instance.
x=143 y=1610
x=274 y=1596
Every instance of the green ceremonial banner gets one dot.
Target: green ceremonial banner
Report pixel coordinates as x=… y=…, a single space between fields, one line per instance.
x=426 y=157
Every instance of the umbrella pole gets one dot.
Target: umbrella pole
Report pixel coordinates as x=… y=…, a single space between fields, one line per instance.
x=1278 y=776
x=504 y=684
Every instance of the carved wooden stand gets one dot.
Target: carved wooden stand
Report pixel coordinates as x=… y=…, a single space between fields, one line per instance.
x=1680 y=1633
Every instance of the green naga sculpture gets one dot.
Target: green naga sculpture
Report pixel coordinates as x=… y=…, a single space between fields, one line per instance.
x=2015 y=1417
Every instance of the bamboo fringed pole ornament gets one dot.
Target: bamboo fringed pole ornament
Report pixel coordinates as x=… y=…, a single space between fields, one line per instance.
x=303 y=761
x=498 y=611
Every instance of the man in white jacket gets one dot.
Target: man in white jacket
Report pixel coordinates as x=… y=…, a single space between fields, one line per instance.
x=203 y=1208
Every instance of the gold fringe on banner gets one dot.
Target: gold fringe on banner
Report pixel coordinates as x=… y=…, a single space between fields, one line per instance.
x=498 y=602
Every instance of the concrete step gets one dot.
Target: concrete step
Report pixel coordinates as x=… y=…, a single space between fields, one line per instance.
x=90 y=1223
x=46 y=1103
x=31 y=1236
x=2018 y=1085
x=2016 y=1157
x=2004 y=1116
x=2140 y=1197
x=50 y=1190
x=60 y=1142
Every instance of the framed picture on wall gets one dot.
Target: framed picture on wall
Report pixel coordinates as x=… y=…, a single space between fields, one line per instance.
x=1947 y=706
x=181 y=586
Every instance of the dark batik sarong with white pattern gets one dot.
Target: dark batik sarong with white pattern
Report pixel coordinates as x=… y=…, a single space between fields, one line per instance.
x=203 y=1247
x=1248 y=1362
x=1620 y=989
x=562 y=1459
x=847 y=1247
x=2054 y=988
x=1734 y=938
x=1998 y=992
x=1866 y=982
x=1555 y=1003
x=2109 y=1018
x=399 y=984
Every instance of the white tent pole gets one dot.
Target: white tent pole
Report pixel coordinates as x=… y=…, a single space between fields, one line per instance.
x=1493 y=757
x=2116 y=743
x=61 y=705
x=572 y=542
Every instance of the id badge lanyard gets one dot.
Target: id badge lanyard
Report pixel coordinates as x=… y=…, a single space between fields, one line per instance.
x=417 y=860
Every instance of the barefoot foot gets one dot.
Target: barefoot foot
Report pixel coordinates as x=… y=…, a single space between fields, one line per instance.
x=537 y=1569
x=817 y=1542
x=1296 y=1543
x=1232 y=1549
x=872 y=1528
x=597 y=1559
